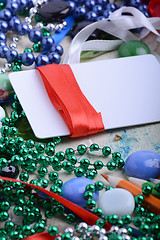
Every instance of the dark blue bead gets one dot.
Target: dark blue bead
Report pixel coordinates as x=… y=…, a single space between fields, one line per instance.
x=29 y=4
x=102 y=2
x=47 y=42
x=111 y=7
x=54 y=57
x=57 y=48
x=98 y=9
x=106 y=13
x=5 y=14
x=14 y=23
x=80 y=12
x=2 y=44
x=99 y=18
x=27 y=58
x=79 y=2
x=3 y=50
x=35 y=35
x=91 y=16
x=143 y=7
x=3 y=26
x=11 y=55
x=90 y=3
x=42 y=60
x=135 y=3
x=22 y=4
x=72 y=5
x=146 y=14
x=13 y=7
x=3 y=37
x=22 y=29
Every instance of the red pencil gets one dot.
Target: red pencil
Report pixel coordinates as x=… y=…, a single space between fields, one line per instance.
x=150 y=202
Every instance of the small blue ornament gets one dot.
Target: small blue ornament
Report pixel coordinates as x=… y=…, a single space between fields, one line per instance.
x=74 y=189
x=143 y=164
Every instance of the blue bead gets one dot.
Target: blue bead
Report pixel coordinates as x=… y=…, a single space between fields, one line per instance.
x=47 y=42
x=27 y=58
x=35 y=35
x=3 y=26
x=135 y=3
x=13 y=7
x=22 y=4
x=29 y=4
x=99 y=18
x=57 y=48
x=91 y=16
x=54 y=57
x=72 y=5
x=74 y=189
x=5 y=14
x=80 y=12
x=107 y=13
x=90 y=4
x=14 y=23
x=3 y=37
x=11 y=55
x=2 y=44
x=111 y=7
x=102 y=2
x=143 y=164
x=22 y=29
x=3 y=50
x=98 y=9
x=42 y=60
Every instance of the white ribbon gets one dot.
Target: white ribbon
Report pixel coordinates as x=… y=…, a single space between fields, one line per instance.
x=117 y=25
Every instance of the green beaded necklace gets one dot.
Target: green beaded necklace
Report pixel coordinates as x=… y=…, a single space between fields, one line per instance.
x=33 y=157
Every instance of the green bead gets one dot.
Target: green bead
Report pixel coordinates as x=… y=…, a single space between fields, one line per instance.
x=98 y=165
x=3 y=233
x=5 y=121
x=72 y=159
x=79 y=172
x=30 y=143
x=90 y=187
x=5 y=205
x=126 y=219
x=53 y=176
x=70 y=218
x=53 y=231
x=39 y=227
x=56 y=189
x=88 y=195
x=140 y=211
x=16 y=160
x=18 y=210
x=28 y=50
x=60 y=155
x=155 y=228
x=91 y=203
x=66 y=236
x=106 y=151
x=4 y=130
x=56 y=139
x=99 y=185
x=9 y=226
x=157 y=187
x=84 y=163
x=144 y=228
x=42 y=171
x=16 y=68
x=69 y=152
x=116 y=156
x=44 y=182
x=133 y=48
x=58 y=167
x=2 y=5
x=50 y=151
x=139 y=199
x=26 y=230
x=90 y=175
x=40 y=147
x=3 y=162
x=59 y=210
x=147 y=221
x=4 y=216
x=24 y=177
x=113 y=219
x=100 y=223
x=98 y=212
x=19 y=141
x=94 y=147
x=37 y=18
x=7 y=191
x=67 y=166
x=119 y=223
x=111 y=165
x=120 y=163
x=146 y=190
x=81 y=149
x=14 y=235
x=58 y=182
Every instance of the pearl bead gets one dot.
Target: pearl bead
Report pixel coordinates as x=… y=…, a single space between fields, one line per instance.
x=27 y=20
x=32 y=11
x=50 y=26
x=103 y=237
x=69 y=230
x=82 y=226
x=2 y=70
x=114 y=229
x=122 y=231
x=75 y=238
x=12 y=45
x=39 y=25
x=15 y=39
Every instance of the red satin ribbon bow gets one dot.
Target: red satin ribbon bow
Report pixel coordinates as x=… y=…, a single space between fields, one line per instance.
x=67 y=97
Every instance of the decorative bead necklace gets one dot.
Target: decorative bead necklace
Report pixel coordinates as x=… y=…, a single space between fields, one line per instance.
x=40 y=34
x=28 y=157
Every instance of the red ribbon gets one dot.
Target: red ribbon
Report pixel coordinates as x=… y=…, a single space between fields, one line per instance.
x=67 y=97
x=87 y=216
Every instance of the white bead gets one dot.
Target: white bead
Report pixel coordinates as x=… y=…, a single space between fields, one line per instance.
x=103 y=237
x=27 y=20
x=30 y=27
x=39 y=25
x=8 y=65
x=15 y=39
x=50 y=26
x=2 y=113
x=95 y=229
x=2 y=70
x=116 y=201
x=82 y=226
x=32 y=11
x=114 y=229
x=126 y=237
x=75 y=238
x=60 y=26
x=39 y=3
x=57 y=238
x=122 y=231
x=87 y=235
x=64 y=23
x=12 y=45
x=103 y=231
x=69 y=230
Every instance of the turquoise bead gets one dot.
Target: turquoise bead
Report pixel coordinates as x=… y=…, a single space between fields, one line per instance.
x=133 y=48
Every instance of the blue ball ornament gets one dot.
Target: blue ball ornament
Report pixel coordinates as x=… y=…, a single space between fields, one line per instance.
x=27 y=58
x=74 y=189
x=143 y=164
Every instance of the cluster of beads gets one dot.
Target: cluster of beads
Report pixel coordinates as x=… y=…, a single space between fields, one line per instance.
x=38 y=34
x=95 y=10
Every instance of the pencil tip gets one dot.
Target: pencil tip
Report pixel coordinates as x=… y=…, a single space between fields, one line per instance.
x=105 y=176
